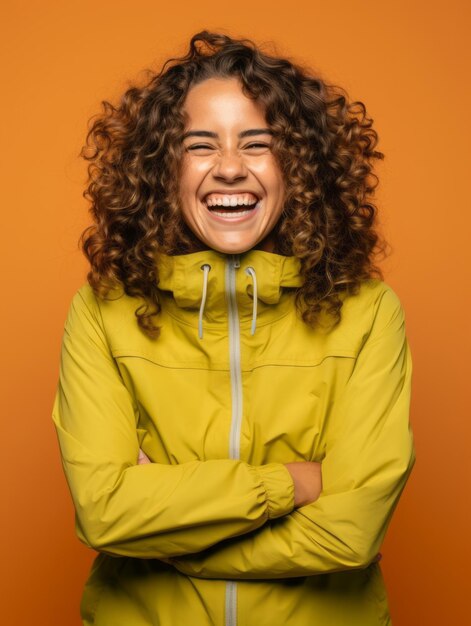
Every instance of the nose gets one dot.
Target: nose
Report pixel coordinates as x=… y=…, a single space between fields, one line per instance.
x=229 y=166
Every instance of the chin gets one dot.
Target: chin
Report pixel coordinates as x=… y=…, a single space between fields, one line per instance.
x=234 y=248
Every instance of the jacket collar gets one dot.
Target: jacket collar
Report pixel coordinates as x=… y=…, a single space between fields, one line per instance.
x=189 y=287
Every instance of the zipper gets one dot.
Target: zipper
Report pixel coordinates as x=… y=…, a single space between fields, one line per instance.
x=233 y=264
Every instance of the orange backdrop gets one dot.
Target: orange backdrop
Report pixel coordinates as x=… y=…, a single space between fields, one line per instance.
x=409 y=62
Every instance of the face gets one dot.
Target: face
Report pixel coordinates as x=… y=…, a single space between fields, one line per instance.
x=231 y=187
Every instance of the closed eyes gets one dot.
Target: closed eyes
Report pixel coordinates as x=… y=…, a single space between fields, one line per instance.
x=207 y=147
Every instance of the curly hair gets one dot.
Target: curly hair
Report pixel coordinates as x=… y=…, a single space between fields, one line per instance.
x=323 y=143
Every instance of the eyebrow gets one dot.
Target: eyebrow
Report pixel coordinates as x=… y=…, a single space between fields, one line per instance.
x=245 y=133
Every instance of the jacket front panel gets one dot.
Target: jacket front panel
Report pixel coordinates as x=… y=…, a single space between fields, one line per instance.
x=274 y=425
x=207 y=533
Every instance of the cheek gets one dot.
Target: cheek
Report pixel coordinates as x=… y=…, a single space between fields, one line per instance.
x=197 y=167
x=276 y=187
x=192 y=178
x=271 y=175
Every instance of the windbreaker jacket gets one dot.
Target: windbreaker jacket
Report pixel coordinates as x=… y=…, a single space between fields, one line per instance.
x=236 y=386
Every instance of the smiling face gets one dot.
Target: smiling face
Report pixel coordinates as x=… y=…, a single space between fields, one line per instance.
x=231 y=187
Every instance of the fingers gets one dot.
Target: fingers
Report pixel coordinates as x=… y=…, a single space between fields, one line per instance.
x=143 y=458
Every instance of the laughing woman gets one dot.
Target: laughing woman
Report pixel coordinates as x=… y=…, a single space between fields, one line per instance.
x=233 y=400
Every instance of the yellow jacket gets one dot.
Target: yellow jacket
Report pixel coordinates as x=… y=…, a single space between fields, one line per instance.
x=235 y=387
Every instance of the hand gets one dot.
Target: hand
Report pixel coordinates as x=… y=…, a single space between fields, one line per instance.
x=307 y=478
x=143 y=458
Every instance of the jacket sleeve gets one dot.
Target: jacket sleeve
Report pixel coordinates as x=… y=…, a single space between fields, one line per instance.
x=369 y=455
x=154 y=510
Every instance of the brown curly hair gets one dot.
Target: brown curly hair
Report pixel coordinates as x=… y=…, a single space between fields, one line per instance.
x=323 y=143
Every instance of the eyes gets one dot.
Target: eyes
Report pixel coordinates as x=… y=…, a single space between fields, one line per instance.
x=256 y=147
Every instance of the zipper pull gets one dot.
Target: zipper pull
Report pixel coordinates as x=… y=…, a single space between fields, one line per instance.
x=236 y=261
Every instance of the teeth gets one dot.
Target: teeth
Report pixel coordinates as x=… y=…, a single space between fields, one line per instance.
x=231 y=200
x=232 y=214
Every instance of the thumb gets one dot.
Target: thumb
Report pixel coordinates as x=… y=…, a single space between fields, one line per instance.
x=143 y=458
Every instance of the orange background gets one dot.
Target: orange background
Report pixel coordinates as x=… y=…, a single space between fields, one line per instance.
x=409 y=63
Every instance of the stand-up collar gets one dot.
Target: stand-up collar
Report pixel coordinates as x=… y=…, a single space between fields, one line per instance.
x=199 y=281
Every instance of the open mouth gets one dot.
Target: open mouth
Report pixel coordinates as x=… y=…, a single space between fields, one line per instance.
x=232 y=208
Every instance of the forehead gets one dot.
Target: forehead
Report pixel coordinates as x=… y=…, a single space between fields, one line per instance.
x=220 y=101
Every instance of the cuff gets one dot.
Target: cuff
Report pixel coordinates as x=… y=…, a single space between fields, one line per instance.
x=279 y=487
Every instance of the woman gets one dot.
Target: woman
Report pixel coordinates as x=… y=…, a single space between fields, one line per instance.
x=233 y=402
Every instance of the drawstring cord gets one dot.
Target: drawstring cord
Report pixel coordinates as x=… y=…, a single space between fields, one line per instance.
x=206 y=269
x=251 y=272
